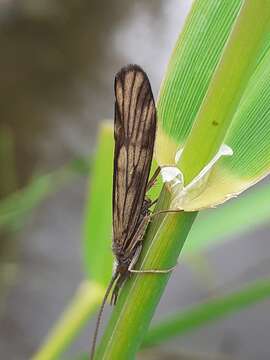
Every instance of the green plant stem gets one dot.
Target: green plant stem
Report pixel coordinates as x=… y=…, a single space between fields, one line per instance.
x=141 y=293
x=214 y=308
x=84 y=304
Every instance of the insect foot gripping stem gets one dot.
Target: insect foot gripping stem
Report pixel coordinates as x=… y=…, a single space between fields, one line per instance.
x=147 y=271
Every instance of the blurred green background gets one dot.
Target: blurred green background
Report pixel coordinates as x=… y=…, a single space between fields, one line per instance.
x=57 y=63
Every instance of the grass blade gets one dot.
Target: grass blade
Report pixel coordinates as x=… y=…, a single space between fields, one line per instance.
x=237 y=216
x=84 y=304
x=16 y=207
x=213 y=309
x=97 y=225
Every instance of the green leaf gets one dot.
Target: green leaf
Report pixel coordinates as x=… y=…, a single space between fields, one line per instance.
x=97 y=252
x=238 y=62
x=97 y=226
x=15 y=208
x=234 y=109
x=235 y=217
x=201 y=314
x=80 y=309
x=249 y=135
x=190 y=70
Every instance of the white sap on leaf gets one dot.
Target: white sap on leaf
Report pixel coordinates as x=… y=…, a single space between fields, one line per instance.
x=174 y=178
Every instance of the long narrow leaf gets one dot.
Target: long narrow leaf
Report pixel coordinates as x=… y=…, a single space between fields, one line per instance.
x=238 y=216
x=213 y=309
x=190 y=70
x=83 y=305
x=16 y=207
x=98 y=214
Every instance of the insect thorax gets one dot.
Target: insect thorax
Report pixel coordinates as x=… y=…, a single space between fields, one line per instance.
x=123 y=259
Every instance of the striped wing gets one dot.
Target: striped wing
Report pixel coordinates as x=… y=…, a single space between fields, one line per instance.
x=134 y=131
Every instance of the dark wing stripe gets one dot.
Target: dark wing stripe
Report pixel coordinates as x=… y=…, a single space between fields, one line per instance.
x=132 y=105
x=140 y=185
x=135 y=127
x=138 y=108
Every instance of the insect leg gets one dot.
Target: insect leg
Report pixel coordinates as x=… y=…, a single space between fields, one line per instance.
x=117 y=287
x=150 y=271
x=135 y=258
x=153 y=179
x=153 y=203
x=148 y=203
x=165 y=212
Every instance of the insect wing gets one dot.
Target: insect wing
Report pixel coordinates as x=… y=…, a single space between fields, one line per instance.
x=134 y=131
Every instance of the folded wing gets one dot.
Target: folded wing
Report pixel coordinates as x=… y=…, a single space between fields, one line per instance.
x=134 y=131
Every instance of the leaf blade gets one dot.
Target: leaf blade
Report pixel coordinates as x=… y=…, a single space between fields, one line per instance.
x=210 y=310
x=97 y=228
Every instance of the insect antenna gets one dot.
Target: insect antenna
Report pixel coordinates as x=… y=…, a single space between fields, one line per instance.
x=94 y=342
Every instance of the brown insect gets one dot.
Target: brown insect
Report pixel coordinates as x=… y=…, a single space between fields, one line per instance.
x=134 y=133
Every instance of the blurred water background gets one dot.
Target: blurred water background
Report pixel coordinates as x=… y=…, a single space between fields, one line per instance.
x=57 y=67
